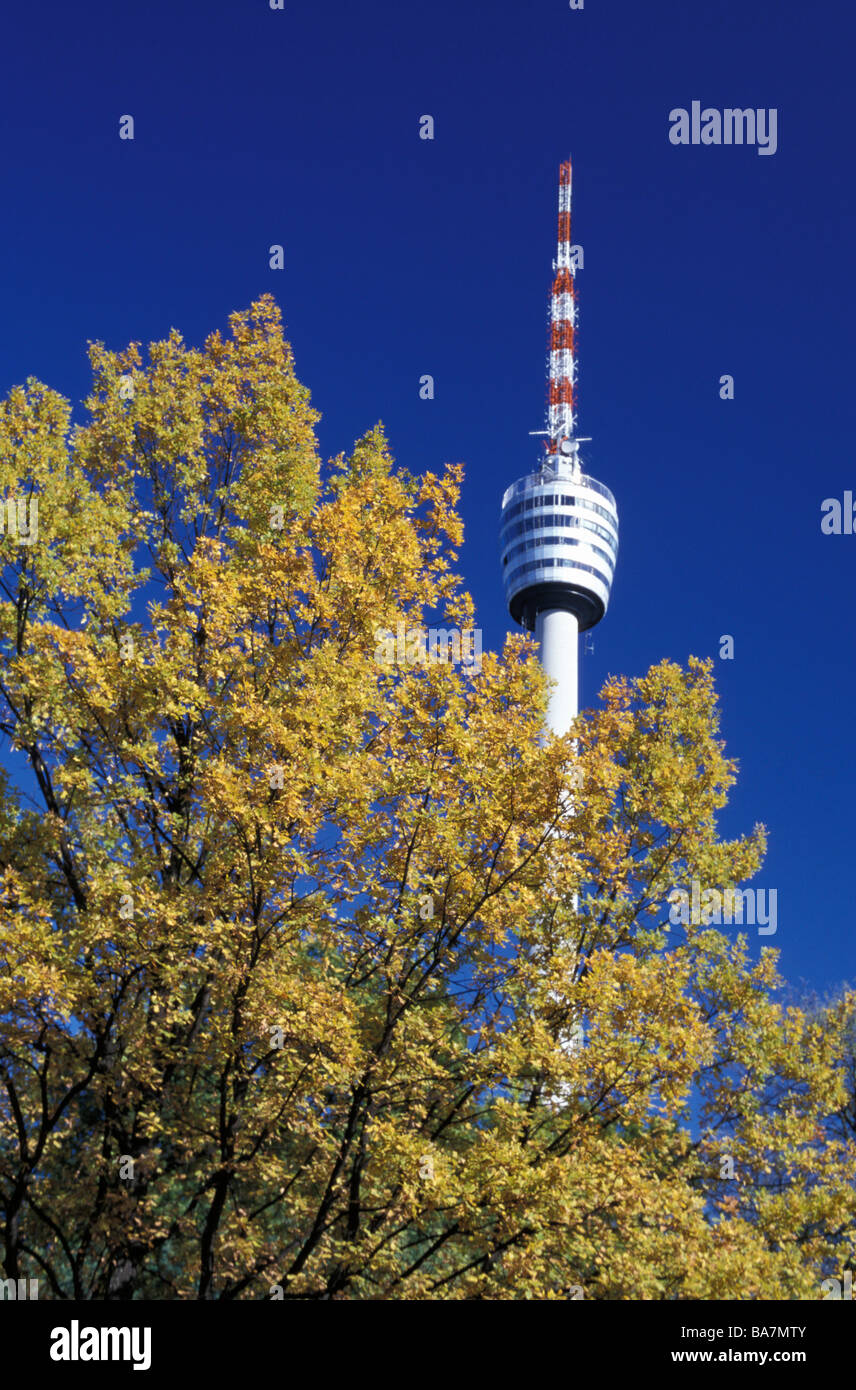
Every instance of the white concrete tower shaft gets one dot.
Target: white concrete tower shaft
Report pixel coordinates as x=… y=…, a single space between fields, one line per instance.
x=557 y=634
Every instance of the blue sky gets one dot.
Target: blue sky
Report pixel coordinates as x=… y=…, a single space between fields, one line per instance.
x=405 y=257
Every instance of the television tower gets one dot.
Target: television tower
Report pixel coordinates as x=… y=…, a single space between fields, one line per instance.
x=559 y=527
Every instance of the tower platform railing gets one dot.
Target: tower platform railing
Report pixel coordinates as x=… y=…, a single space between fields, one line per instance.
x=533 y=480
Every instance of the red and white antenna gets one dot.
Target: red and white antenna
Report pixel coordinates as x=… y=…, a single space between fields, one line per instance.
x=561 y=419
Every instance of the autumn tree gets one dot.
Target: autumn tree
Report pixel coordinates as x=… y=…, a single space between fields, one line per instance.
x=323 y=974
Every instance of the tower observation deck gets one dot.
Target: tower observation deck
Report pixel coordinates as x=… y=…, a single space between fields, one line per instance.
x=559 y=526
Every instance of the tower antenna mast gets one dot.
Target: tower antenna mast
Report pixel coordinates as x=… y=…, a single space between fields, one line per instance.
x=560 y=433
x=561 y=420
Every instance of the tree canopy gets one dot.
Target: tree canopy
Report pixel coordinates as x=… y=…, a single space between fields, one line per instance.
x=322 y=977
